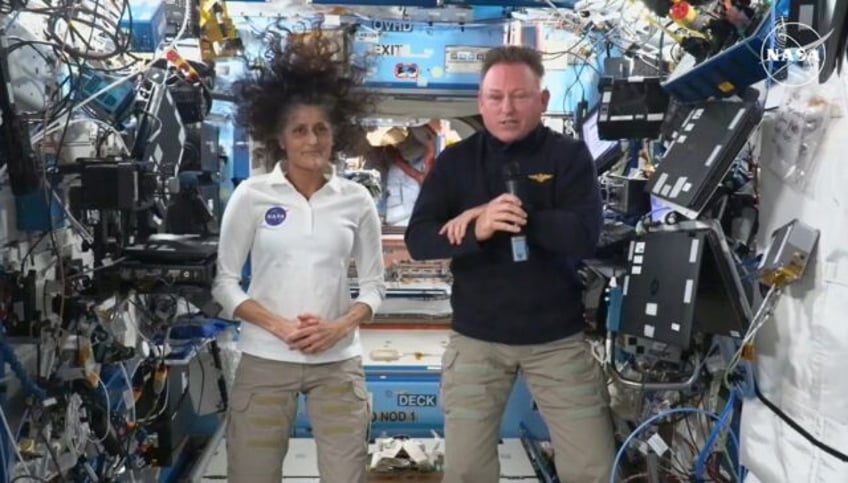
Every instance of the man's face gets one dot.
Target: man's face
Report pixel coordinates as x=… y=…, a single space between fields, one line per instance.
x=511 y=101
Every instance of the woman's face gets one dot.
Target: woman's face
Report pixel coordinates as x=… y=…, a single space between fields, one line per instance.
x=307 y=138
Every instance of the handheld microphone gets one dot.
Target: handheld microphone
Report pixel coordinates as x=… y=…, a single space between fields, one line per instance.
x=518 y=242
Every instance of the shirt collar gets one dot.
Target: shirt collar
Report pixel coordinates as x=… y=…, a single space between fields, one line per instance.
x=533 y=139
x=278 y=177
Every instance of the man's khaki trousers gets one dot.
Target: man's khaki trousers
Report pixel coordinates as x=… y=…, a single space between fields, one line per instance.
x=568 y=386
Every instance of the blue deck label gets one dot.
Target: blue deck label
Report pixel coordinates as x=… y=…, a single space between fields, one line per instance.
x=417 y=400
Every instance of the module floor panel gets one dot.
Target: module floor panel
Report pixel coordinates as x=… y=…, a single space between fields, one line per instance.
x=301 y=465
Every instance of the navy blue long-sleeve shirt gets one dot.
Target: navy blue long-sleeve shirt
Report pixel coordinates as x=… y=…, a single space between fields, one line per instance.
x=494 y=298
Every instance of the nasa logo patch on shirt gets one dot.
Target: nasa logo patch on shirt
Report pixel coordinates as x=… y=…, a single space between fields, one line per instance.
x=275 y=216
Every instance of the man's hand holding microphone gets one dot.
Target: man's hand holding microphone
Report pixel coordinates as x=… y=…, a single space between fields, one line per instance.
x=504 y=213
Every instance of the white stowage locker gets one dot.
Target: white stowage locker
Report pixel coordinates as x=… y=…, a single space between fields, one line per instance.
x=802 y=349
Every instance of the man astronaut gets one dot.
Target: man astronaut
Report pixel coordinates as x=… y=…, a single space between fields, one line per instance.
x=403 y=156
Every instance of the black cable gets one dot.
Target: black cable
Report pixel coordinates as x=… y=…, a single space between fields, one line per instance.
x=797 y=427
x=15 y=149
x=62 y=106
x=118 y=37
x=31 y=252
x=50 y=190
x=31 y=44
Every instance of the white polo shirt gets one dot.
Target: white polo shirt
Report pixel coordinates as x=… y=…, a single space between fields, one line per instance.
x=299 y=255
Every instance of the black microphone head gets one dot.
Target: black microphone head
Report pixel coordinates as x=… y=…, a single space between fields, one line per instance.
x=511 y=170
x=511 y=176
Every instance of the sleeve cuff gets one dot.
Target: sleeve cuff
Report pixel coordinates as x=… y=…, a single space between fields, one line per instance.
x=372 y=300
x=230 y=301
x=470 y=242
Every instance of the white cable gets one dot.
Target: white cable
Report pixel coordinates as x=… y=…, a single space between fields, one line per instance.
x=108 y=411
x=82 y=231
x=129 y=388
x=763 y=314
x=598 y=351
x=72 y=420
x=150 y=418
x=13 y=442
x=41 y=134
x=105 y=125
x=130 y=317
x=57 y=124
x=183 y=27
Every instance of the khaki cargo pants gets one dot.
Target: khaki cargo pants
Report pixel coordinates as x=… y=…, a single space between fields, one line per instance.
x=568 y=386
x=263 y=406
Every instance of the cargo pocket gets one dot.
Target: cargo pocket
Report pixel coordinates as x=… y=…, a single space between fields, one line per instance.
x=339 y=410
x=239 y=430
x=448 y=361
x=449 y=358
x=360 y=409
x=240 y=401
x=360 y=391
x=566 y=379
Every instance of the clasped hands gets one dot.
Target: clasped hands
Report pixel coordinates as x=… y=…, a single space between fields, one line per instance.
x=503 y=213
x=310 y=333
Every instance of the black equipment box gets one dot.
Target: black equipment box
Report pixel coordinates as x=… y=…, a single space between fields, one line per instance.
x=179 y=249
x=201 y=273
x=110 y=183
x=702 y=153
x=683 y=281
x=110 y=186
x=627 y=196
x=631 y=108
x=183 y=260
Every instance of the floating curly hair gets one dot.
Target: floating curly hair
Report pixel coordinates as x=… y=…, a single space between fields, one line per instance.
x=312 y=69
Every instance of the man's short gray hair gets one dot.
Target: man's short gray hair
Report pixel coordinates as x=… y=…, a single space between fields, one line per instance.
x=514 y=54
